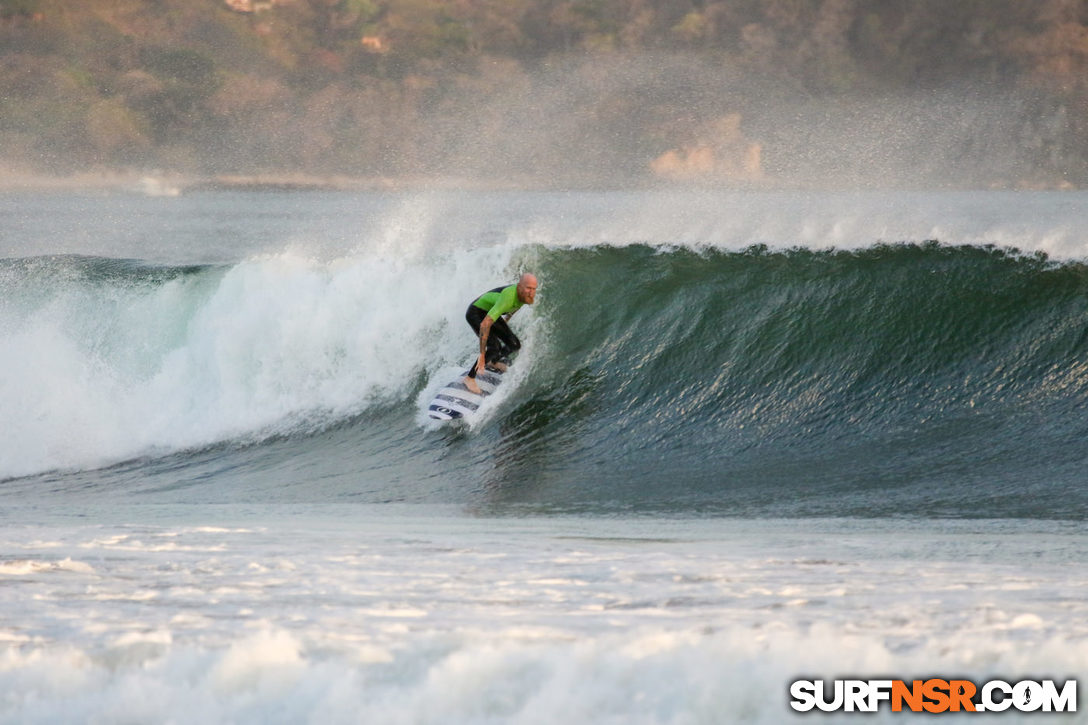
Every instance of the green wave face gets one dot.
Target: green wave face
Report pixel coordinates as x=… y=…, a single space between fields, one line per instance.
x=905 y=378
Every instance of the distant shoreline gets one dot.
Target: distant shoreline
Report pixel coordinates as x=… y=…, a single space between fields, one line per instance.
x=171 y=184
x=160 y=184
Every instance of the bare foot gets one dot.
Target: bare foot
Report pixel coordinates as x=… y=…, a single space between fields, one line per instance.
x=501 y=367
x=470 y=383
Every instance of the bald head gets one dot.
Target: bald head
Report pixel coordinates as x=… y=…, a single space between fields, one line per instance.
x=527 y=288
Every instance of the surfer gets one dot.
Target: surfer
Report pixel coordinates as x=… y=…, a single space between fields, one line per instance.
x=488 y=315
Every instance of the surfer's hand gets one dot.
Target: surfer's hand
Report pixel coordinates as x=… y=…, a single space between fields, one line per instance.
x=481 y=364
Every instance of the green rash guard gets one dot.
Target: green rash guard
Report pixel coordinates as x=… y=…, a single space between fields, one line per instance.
x=499 y=301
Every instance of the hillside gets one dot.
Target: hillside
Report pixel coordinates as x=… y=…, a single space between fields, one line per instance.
x=552 y=92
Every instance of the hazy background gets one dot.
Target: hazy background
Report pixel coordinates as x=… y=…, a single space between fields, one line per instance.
x=551 y=93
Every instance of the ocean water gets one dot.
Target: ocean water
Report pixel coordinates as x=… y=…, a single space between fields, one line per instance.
x=751 y=437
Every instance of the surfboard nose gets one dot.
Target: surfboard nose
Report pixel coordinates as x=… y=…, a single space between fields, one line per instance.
x=455 y=401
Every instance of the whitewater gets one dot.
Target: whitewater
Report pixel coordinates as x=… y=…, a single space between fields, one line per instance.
x=751 y=437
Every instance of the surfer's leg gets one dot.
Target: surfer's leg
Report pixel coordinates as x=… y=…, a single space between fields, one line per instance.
x=496 y=351
x=506 y=344
x=474 y=316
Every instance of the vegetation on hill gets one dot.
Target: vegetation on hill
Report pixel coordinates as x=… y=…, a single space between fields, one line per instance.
x=847 y=92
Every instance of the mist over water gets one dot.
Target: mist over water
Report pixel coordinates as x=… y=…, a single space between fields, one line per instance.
x=614 y=122
x=646 y=119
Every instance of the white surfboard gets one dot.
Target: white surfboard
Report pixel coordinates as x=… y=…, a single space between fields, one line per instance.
x=456 y=402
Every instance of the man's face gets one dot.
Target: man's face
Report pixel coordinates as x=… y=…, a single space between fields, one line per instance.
x=527 y=291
